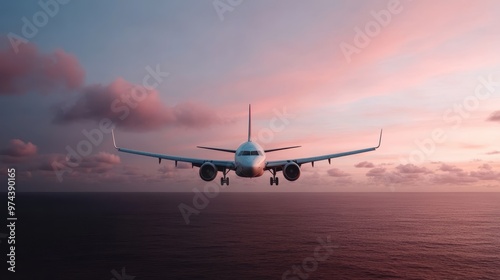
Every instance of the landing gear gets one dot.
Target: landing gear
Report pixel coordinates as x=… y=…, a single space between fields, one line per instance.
x=224 y=180
x=274 y=179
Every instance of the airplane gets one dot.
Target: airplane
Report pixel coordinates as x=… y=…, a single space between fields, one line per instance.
x=249 y=160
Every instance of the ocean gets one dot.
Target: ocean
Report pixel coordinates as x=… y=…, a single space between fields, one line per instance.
x=139 y=236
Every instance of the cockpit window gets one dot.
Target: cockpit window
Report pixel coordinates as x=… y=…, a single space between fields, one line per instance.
x=250 y=153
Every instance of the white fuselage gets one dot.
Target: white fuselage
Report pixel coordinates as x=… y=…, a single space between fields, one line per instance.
x=250 y=160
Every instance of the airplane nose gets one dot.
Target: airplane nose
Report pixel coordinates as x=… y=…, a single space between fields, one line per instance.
x=251 y=168
x=256 y=167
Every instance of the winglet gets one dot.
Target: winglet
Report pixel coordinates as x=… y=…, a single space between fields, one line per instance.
x=114 y=142
x=380 y=139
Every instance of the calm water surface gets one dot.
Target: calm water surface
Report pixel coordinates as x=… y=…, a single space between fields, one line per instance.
x=258 y=236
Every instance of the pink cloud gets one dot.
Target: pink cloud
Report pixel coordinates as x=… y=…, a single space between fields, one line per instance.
x=485 y=167
x=105 y=158
x=411 y=169
x=28 y=70
x=453 y=178
x=364 y=164
x=401 y=174
x=184 y=165
x=99 y=163
x=48 y=168
x=376 y=172
x=494 y=117
x=485 y=172
x=134 y=107
x=130 y=170
x=454 y=175
x=335 y=172
x=167 y=171
x=449 y=168
x=18 y=151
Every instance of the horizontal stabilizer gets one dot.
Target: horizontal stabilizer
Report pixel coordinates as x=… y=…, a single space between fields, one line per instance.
x=217 y=149
x=279 y=149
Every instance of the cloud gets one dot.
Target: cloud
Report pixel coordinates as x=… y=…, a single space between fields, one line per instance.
x=103 y=158
x=485 y=167
x=130 y=170
x=184 y=165
x=411 y=169
x=364 y=164
x=449 y=168
x=401 y=174
x=129 y=106
x=452 y=179
x=494 y=117
x=47 y=169
x=485 y=172
x=167 y=171
x=493 y=153
x=134 y=108
x=18 y=151
x=335 y=172
x=454 y=175
x=18 y=148
x=376 y=172
x=101 y=162
x=30 y=71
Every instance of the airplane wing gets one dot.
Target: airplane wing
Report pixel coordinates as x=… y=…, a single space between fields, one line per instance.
x=280 y=149
x=220 y=164
x=278 y=165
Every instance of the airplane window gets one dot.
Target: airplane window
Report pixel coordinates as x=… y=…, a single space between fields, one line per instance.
x=250 y=153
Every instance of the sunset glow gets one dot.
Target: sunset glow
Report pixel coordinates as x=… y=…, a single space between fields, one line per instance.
x=326 y=75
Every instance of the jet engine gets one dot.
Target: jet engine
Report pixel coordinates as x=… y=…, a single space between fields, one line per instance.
x=291 y=171
x=208 y=171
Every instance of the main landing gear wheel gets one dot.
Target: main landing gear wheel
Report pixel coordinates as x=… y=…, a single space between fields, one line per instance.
x=224 y=180
x=274 y=179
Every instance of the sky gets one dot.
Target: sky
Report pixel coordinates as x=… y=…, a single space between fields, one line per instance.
x=326 y=75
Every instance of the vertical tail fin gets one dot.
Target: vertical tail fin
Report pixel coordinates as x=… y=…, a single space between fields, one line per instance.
x=249 y=122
